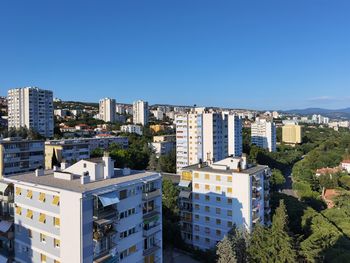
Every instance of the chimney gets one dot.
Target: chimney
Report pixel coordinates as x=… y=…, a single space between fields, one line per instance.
x=84 y=179
x=64 y=165
x=244 y=162
x=108 y=168
x=39 y=172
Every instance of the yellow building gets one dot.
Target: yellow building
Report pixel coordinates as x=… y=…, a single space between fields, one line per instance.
x=67 y=152
x=291 y=134
x=157 y=127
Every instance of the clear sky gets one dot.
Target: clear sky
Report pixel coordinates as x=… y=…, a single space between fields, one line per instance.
x=259 y=54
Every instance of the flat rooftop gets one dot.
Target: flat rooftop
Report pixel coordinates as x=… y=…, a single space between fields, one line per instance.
x=75 y=185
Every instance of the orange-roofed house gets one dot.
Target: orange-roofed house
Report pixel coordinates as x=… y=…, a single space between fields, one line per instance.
x=327 y=170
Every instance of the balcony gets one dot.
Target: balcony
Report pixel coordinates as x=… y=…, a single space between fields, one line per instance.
x=186 y=219
x=255 y=217
x=151 y=194
x=147 y=231
x=147 y=214
x=150 y=250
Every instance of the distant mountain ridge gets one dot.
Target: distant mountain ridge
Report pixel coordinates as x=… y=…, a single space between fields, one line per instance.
x=338 y=113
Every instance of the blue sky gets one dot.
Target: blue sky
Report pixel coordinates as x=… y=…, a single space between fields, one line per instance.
x=245 y=54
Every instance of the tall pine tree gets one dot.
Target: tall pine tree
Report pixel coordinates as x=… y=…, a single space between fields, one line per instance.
x=281 y=244
x=225 y=251
x=258 y=248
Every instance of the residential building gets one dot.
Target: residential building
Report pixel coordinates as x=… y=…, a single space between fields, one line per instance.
x=292 y=133
x=140 y=112
x=6 y=222
x=31 y=107
x=65 y=151
x=18 y=156
x=157 y=127
x=346 y=165
x=263 y=133
x=107 y=111
x=216 y=196
x=204 y=134
x=163 y=144
x=88 y=212
x=73 y=150
x=131 y=128
x=158 y=114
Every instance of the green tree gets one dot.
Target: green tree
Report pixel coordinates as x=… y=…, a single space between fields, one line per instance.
x=225 y=252
x=258 y=245
x=170 y=196
x=239 y=239
x=281 y=244
x=277 y=179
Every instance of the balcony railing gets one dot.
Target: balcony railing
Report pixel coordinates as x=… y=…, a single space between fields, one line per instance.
x=152 y=249
x=151 y=194
x=150 y=231
x=151 y=213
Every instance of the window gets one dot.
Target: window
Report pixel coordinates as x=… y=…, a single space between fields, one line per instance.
x=229 y=190
x=229 y=179
x=42 y=238
x=207 y=209
x=123 y=194
x=229 y=224
x=207 y=177
x=18 y=210
x=229 y=212
x=18 y=191
x=207 y=240
x=207 y=198
x=42 y=218
x=196 y=175
x=207 y=219
x=42 y=197
x=196 y=237
x=196 y=186
x=132 y=249
x=218 y=199
x=207 y=230
x=43 y=258
x=29 y=194
x=56 y=200
x=218 y=188
x=218 y=211
x=196 y=217
x=56 y=221
x=218 y=232
x=196 y=227
x=218 y=178
x=196 y=196
x=196 y=207
x=207 y=187
x=29 y=214
x=56 y=243
x=229 y=200
x=218 y=221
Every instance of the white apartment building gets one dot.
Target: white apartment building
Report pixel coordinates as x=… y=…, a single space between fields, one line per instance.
x=216 y=196
x=131 y=128
x=88 y=212
x=163 y=144
x=31 y=107
x=207 y=135
x=263 y=134
x=107 y=110
x=140 y=112
x=19 y=156
x=158 y=114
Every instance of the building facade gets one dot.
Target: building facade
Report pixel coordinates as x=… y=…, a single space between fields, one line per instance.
x=131 y=128
x=263 y=134
x=163 y=144
x=88 y=212
x=291 y=133
x=107 y=110
x=18 y=156
x=203 y=135
x=140 y=112
x=31 y=107
x=216 y=196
